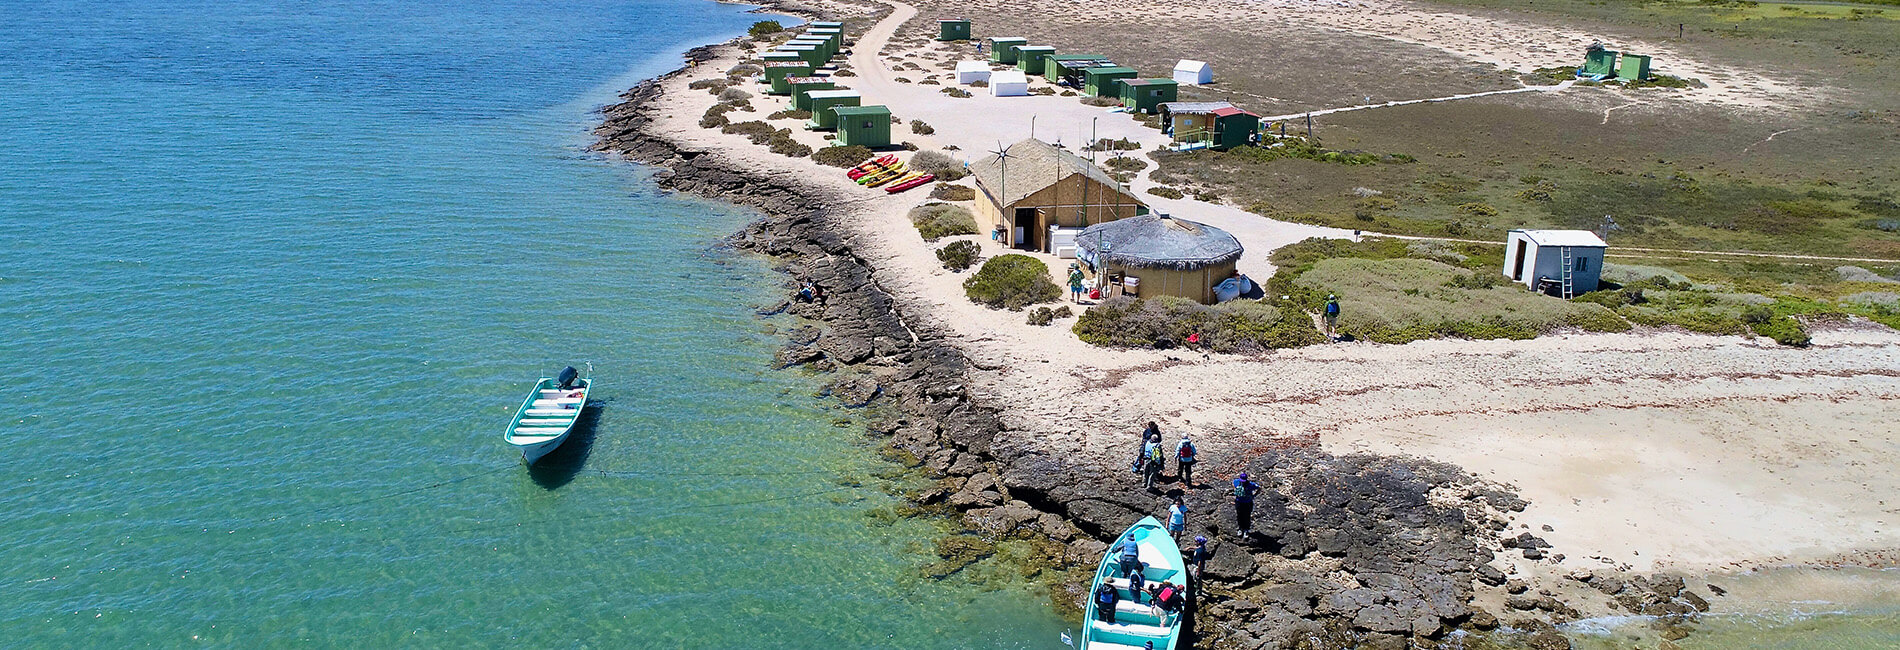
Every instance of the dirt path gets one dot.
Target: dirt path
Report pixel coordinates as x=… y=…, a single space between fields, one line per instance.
x=1408 y=102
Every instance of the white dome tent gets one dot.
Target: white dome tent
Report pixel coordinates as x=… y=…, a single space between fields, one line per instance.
x=1193 y=73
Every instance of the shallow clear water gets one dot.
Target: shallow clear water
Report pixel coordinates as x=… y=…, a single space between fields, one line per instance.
x=275 y=276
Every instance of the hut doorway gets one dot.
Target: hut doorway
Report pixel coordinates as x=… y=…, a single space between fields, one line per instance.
x=1025 y=229
x=1517 y=266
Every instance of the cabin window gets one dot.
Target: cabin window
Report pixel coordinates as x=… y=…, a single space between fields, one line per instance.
x=1582 y=264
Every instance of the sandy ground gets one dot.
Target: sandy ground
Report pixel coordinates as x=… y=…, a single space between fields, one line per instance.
x=1645 y=451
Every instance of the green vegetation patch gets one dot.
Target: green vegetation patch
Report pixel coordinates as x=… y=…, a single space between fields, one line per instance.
x=938 y=220
x=1407 y=299
x=959 y=255
x=842 y=156
x=1236 y=326
x=1011 y=282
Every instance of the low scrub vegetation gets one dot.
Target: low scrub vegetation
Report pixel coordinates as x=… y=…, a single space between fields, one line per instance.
x=1043 y=316
x=1407 y=299
x=959 y=255
x=783 y=144
x=842 y=156
x=939 y=163
x=1011 y=282
x=1166 y=192
x=765 y=28
x=715 y=116
x=1237 y=326
x=938 y=220
x=948 y=192
x=958 y=93
x=1126 y=164
x=790 y=114
x=920 y=128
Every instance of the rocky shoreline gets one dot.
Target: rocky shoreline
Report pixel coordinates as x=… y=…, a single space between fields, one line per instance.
x=1349 y=551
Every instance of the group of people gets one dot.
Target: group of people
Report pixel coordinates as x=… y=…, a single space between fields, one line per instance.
x=1169 y=597
x=1153 y=458
x=810 y=292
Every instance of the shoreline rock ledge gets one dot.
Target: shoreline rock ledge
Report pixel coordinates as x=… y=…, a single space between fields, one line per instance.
x=1354 y=550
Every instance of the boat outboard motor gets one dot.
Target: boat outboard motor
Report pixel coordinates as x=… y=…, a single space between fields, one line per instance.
x=568 y=375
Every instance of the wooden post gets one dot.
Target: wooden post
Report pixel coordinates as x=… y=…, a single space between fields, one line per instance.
x=1309 y=126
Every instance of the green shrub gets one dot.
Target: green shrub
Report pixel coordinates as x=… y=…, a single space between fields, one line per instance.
x=1043 y=316
x=715 y=116
x=790 y=114
x=938 y=220
x=959 y=255
x=1478 y=209
x=1101 y=101
x=939 y=163
x=1166 y=192
x=1105 y=144
x=1241 y=326
x=1011 y=282
x=948 y=192
x=1784 y=330
x=842 y=156
x=783 y=144
x=765 y=27
x=920 y=128
x=958 y=93
x=758 y=132
x=710 y=85
x=1126 y=164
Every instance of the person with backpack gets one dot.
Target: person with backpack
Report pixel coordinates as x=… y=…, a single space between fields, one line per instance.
x=1105 y=599
x=1197 y=558
x=1153 y=462
x=1332 y=317
x=1185 y=456
x=1244 y=491
x=1130 y=554
x=1149 y=434
x=1177 y=520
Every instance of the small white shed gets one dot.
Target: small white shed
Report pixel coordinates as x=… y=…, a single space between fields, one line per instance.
x=1193 y=73
x=969 y=72
x=1563 y=262
x=1009 y=83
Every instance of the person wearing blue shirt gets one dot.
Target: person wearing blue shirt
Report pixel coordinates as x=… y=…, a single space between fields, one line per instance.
x=1130 y=555
x=1177 y=519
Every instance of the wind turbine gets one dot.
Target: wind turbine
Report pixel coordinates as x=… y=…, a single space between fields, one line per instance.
x=1002 y=190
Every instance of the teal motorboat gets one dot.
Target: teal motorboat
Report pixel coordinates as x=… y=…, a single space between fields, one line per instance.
x=1137 y=619
x=548 y=415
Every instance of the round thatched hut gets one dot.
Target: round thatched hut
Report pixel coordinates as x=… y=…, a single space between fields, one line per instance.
x=1158 y=255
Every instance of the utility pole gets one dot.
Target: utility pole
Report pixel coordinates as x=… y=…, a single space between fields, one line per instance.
x=1309 y=126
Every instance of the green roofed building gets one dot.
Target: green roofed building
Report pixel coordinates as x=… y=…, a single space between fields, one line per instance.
x=1056 y=67
x=1106 y=82
x=1003 y=48
x=1599 y=61
x=1029 y=58
x=1143 y=95
x=813 y=54
x=779 y=55
x=776 y=73
x=865 y=126
x=953 y=29
x=1635 y=68
x=822 y=101
x=801 y=87
x=826 y=24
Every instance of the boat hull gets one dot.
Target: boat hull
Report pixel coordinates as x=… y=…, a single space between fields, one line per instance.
x=533 y=453
x=1137 y=621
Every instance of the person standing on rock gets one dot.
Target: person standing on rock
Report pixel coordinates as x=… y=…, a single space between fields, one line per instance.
x=1244 y=491
x=1149 y=434
x=1185 y=456
x=1197 y=558
x=1154 y=461
x=1177 y=520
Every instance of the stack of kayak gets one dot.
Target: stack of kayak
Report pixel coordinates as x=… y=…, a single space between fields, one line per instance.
x=890 y=173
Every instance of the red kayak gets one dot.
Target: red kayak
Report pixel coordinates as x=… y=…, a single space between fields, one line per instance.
x=920 y=180
x=870 y=166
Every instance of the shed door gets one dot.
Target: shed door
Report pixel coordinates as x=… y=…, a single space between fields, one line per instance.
x=1517 y=265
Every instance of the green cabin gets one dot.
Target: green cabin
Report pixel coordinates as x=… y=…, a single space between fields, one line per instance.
x=824 y=44
x=1142 y=95
x=825 y=24
x=1003 y=49
x=1601 y=62
x=1234 y=127
x=1056 y=66
x=865 y=126
x=1029 y=58
x=1635 y=68
x=836 y=36
x=822 y=101
x=813 y=54
x=781 y=56
x=776 y=72
x=802 y=86
x=1107 y=82
x=953 y=29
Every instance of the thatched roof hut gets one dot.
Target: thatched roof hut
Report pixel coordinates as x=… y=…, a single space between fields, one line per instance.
x=1164 y=255
x=1038 y=186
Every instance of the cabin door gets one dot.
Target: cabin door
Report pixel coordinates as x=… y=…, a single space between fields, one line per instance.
x=1026 y=236
x=1517 y=265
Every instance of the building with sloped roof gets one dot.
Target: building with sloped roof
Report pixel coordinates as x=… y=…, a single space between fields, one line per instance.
x=1036 y=186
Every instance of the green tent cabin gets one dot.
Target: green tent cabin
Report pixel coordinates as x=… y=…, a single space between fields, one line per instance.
x=822 y=101
x=1029 y=58
x=1106 y=82
x=1056 y=67
x=1635 y=68
x=953 y=29
x=864 y=126
x=1003 y=48
x=1143 y=95
x=776 y=72
x=801 y=87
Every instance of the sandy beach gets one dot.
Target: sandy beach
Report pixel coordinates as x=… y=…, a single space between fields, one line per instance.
x=1649 y=451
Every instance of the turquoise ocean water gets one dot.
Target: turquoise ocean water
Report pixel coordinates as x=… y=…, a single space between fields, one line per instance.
x=275 y=274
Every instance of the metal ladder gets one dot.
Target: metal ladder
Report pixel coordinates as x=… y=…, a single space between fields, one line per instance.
x=1569 y=273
